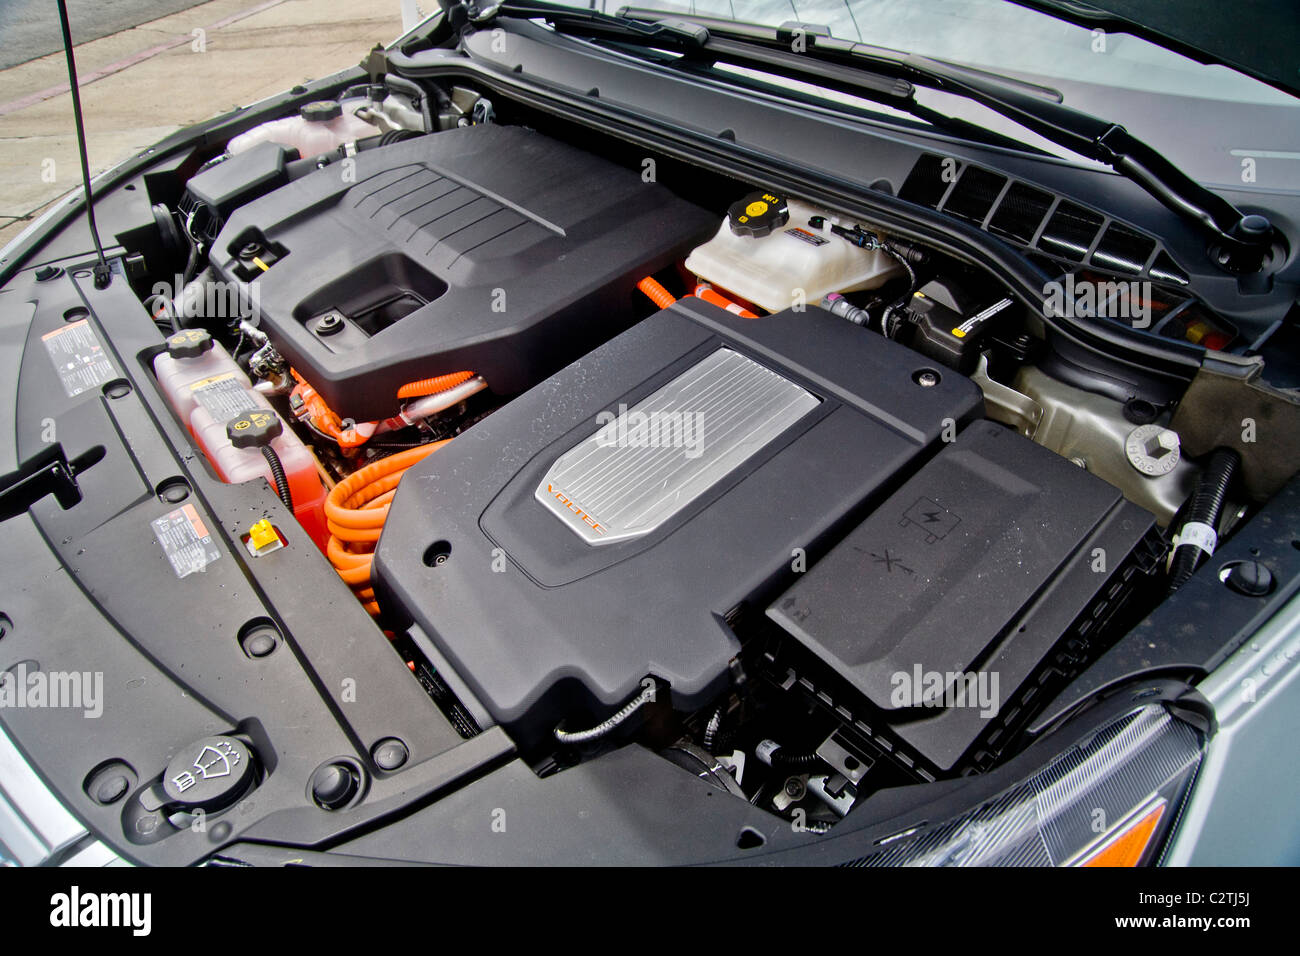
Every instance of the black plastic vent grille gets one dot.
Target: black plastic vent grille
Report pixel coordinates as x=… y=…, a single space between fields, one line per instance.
x=1036 y=219
x=974 y=195
x=1070 y=232
x=1020 y=213
x=1164 y=269
x=1123 y=250
x=200 y=219
x=926 y=183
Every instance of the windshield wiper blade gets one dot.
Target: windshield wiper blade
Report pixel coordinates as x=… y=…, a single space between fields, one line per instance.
x=1240 y=241
x=690 y=35
x=662 y=25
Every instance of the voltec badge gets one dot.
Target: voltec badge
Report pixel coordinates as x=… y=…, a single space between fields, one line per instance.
x=758 y=214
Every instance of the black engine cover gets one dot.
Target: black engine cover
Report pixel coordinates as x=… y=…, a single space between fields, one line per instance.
x=998 y=560
x=488 y=248
x=544 y=625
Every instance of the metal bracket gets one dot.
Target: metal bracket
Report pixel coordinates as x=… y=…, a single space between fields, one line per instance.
x=47 y=473
x=1004 y=404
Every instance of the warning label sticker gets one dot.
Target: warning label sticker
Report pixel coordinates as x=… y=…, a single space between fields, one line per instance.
x=804 y=235
x=185 y=540
x=78 y=357
x=224 y=396
x=975 y=321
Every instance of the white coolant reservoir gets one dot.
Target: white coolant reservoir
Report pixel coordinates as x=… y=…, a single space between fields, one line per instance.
x=775 y=252
x=318 y=128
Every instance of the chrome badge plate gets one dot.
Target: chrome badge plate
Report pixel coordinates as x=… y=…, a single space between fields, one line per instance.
x=646 y=463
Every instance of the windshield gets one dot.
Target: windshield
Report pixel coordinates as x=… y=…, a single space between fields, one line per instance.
x=1221 y=127
x=994 y=35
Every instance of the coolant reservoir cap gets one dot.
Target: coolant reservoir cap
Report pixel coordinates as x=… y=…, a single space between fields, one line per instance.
x=253 y=429
x=321 y=111
x=758 y=214
x=188 y=343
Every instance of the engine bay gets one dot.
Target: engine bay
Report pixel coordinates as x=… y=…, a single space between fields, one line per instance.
x=619 y=450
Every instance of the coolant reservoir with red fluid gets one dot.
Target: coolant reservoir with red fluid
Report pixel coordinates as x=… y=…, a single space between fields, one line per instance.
x=195 y=368
x=207 y=388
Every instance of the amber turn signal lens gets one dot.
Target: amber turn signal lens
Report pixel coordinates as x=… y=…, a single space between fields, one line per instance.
x=1129 y=843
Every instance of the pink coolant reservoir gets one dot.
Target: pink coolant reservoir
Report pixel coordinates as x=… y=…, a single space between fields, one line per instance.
x=207 y=389
x=196 y=368
x=319 y=127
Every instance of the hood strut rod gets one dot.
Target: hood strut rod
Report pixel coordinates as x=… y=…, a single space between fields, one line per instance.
x=103 y=274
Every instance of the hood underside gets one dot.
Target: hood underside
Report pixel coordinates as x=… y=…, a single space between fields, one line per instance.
x=1260 y=38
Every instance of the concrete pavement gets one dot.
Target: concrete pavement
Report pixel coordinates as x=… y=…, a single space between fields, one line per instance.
x=141 y=84
x=30 y=28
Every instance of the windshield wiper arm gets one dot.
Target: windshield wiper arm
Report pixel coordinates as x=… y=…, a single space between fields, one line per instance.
x=689 y=35
x=1240 y=241
x=894 y=92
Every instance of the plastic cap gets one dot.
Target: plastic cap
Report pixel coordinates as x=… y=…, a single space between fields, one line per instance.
x=321 y=111
x=262 y=534
x=210 y=774
x=253 y=429
x=190 y=343
x=758 y=214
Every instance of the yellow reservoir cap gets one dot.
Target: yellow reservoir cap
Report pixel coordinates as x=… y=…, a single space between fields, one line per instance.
x=263 y=534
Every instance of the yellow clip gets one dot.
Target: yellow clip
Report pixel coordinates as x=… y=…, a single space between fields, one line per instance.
x=260 y=264
x=262 y=534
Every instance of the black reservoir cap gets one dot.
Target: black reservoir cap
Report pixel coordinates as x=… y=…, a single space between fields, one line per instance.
x=253 y=429
x=188 y=343
x=758 y=214
x=321 y=111
x=210 y=774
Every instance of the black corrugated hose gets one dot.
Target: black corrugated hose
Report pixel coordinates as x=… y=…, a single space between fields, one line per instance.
x=783 y=760
x=277 y=472
x=397 y=136
x=1204 y=507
